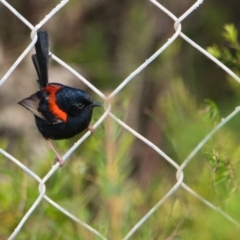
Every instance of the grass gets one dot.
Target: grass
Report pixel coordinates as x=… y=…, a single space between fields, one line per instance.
x=97 y=186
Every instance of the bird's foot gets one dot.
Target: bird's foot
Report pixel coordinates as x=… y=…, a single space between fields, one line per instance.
x=91 y=129
x=60 y=160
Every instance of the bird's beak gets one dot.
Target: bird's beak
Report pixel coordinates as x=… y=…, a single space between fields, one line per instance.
x=95 y=104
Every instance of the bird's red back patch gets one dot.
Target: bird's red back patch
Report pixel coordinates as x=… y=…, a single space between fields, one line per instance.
x=53 y=107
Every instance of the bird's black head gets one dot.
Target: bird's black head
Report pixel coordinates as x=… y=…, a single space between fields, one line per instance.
x=74 y=101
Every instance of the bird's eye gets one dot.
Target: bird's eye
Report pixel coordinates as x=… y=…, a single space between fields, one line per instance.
x=80 y=105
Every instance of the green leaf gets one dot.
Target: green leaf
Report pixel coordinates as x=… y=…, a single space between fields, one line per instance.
x=230 y=33
x=215 y=51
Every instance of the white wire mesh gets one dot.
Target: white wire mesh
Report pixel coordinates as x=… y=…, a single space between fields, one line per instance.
x=179 y=169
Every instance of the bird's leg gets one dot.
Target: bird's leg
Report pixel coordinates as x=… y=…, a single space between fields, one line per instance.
x=91 y=129
x=58 y=157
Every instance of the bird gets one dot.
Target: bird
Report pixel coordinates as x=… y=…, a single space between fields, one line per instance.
x=60 y=111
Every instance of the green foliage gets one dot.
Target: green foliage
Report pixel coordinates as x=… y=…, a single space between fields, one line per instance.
x=95 y=186
x=229 y=55
x=212 y=173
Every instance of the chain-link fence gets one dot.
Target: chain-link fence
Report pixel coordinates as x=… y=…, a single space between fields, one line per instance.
x=107 y=99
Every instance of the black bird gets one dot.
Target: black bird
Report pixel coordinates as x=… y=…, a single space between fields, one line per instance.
x=60 y=111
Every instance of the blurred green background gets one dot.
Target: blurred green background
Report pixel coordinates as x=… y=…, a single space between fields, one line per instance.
x=112 y=180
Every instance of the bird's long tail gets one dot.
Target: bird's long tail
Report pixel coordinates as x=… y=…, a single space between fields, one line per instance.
x=41 y=58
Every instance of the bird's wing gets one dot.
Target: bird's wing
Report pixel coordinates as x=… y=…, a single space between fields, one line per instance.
x=38 y=104
x=41 y=58
x=32 y=104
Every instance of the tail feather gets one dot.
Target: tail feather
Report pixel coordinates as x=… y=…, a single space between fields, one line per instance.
x=41 y=58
